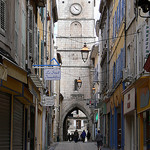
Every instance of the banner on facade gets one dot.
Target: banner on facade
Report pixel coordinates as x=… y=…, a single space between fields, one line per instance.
x=48 y=101
x=52 y=74
x=129 y=101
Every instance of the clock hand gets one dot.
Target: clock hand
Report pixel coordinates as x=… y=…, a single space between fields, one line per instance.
x=76 y=8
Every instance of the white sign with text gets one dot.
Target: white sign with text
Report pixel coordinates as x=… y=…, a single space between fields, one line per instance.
x=52 y=74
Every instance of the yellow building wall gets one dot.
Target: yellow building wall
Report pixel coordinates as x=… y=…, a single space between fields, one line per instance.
x=115 y=49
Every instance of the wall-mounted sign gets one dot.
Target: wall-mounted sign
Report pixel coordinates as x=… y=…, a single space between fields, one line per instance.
x=52 y=74
x=129 y=101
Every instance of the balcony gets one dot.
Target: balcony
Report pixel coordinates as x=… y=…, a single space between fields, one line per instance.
x=41 y=3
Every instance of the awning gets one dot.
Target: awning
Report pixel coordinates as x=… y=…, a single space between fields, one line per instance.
x=36 y=80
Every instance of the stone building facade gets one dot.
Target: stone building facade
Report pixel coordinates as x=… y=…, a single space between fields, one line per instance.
x=75 y=27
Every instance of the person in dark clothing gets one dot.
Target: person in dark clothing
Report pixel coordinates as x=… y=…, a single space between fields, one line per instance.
x=83 y=135
x=99 y=140
x=88 y=135
x=76 y=136
x=69 y=136
x=72 y=137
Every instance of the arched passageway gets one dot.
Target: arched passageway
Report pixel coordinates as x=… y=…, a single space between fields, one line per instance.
x=72 y=113
x=74 y=120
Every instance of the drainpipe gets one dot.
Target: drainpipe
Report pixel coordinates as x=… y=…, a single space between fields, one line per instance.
x=108 y=47
x=51 y=82
x=27 y=60
x=125 y=30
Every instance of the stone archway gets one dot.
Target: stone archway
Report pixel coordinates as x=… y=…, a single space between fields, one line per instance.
x=81 y=105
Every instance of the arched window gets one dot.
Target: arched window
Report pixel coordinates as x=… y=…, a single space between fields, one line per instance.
x=75 y=29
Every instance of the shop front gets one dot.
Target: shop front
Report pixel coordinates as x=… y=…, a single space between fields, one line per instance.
x=130 y=118
x=15 y=99
x=143 y=111
x=117 y=119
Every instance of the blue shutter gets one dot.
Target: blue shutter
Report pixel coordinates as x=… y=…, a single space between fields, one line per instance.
x=115 y=23
x=122 y=126
x=122 y=9
x=113 y=74
x=38 y=46
x=113 y=29
x=115 y=129
x=42 y=52
x=119 y=14
x=124 y=57
x=111 y=130
x=121 y=59
x=116 y=79
x=117 y=18
x=120 y=71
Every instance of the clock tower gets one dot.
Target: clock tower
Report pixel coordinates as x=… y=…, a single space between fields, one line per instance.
x=75 y=27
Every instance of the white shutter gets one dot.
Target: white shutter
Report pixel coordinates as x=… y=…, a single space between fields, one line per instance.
x=3 y=16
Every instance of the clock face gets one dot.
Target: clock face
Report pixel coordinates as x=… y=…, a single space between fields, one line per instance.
x=75 y=9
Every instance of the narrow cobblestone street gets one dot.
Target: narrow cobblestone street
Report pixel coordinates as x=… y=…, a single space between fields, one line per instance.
x=75 y=146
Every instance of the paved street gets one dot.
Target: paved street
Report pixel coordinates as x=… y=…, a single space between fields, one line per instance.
x=76 y=146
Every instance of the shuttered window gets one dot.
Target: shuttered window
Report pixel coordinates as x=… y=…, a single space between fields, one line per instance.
x=113 y=28
x=16 y=25
x=23 y=37
x=123 y=9
x=18 y=127
x=30 y=29
x=3 y=16
x=4 y=121
x=42 y=52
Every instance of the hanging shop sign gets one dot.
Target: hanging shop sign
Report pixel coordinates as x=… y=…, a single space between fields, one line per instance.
x=129 y=101
x=48 y=101
x=52 y=74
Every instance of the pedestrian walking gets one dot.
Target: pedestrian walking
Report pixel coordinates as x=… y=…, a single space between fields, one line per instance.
x=83 y=135
x=72 y=137
x=69 y=136
x=76 y=136
x=88 y=135
x=99 y=140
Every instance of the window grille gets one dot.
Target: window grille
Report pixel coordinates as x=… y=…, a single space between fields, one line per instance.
x=3 y=15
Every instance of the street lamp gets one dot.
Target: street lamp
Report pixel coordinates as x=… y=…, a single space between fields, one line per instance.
x=145 y=5
x=79 y=83
x=93 y=89
x=84 y=53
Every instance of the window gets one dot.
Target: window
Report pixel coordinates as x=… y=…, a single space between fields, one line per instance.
x=128 y=58
x=23 y=36
x=2 y=16
x=78 y=124
x=114 y=73
x=30 y=29
x=75 y=85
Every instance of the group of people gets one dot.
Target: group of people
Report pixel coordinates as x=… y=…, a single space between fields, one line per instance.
x=76 y=138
